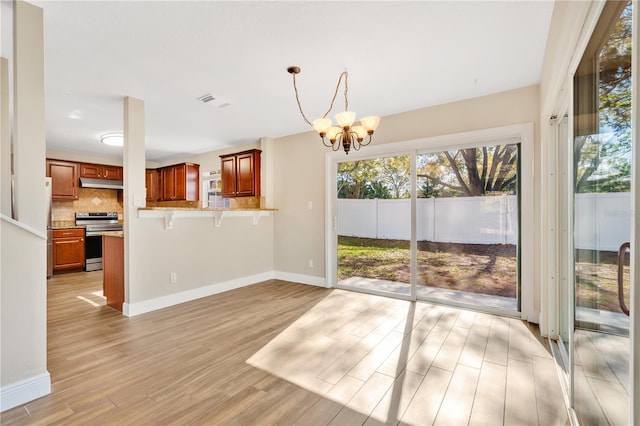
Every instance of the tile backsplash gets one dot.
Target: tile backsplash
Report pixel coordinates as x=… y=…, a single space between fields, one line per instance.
x=90 y=200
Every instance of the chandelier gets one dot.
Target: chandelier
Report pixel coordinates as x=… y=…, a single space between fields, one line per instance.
x=345 y=134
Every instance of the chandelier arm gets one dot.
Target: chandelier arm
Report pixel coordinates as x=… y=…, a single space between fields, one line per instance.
x=335 y=94
x=368 y=141
x=324 y=142
x=338 y=142
x=295 y=88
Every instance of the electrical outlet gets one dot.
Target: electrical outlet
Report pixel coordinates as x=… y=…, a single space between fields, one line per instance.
x=173 y=278
x=310 y=263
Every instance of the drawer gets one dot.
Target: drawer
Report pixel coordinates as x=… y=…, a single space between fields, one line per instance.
x=68 y=233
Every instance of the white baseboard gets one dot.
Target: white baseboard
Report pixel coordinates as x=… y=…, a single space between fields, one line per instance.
x=24 y=391
x=133 y=309
x=301 y=279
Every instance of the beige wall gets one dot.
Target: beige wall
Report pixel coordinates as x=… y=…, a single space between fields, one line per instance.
x=299 y=168
x=83 y=157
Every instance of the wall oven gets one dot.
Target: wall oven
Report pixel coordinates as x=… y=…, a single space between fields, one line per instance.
x=95 y=224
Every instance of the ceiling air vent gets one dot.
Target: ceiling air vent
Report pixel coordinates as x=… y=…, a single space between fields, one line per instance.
x=213 y=100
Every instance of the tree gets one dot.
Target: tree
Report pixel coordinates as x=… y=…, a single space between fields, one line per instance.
x=354 y=177
x=602 y=162
x=388 y=177
x=395 y=172
x=471 y=172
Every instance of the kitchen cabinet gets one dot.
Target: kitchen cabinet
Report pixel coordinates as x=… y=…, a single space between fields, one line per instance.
x=180 y=182
x=68 y=249
x=241 y=174
x=100 y=171
x=113 y=271
x=152 y=183
x=64 y=179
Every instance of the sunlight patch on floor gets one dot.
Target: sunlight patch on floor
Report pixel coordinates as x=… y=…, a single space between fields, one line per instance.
x=389 y=359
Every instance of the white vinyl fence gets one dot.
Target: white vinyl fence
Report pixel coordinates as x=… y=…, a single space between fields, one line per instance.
x=477 y=220
x=602 y=220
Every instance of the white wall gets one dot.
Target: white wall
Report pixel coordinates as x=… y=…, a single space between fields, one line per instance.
x=200 y=253
x=23 y=346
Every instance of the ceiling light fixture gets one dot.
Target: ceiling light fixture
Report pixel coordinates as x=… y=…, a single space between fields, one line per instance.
x=113 y=139
x=347 y=135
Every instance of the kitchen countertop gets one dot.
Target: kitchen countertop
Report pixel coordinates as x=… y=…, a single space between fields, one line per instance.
x=119 y=234
x=203 y=209
x=65 y=224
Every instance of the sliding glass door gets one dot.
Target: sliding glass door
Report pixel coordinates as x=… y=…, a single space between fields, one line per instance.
x=602 y=220
x=438 y=225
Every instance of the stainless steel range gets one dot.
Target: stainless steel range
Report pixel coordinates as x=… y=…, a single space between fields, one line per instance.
x=95 y=223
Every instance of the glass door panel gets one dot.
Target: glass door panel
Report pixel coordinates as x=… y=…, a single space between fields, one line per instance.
x=468 y=225
x=602 y=164
x=374 y=225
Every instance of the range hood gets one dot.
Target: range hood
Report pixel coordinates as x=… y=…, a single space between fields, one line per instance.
x=101 y=183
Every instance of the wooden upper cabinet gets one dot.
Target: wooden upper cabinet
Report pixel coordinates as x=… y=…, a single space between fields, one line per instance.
x=152 y=181
x=99 y=171
x=180 y=182
x=168 y=184
x=112 y=172
x=228 y=176
x=241 y=174
x=64 y=179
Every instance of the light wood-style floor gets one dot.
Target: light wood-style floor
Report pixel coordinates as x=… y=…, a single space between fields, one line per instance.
x=284 y=353
x=601 y=368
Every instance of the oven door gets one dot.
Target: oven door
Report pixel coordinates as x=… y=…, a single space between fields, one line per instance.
x=93 y=252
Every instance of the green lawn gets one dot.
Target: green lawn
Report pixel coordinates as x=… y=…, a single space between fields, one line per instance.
x=477 y=268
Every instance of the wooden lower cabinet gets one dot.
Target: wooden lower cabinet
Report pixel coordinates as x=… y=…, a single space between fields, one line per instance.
x=68 y=249
x=113 y=270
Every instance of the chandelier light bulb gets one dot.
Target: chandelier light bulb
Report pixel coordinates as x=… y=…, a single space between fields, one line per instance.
x=322 y=125
x=333 y=132
x=346 y=118
x=360 y=132
x=370 y=124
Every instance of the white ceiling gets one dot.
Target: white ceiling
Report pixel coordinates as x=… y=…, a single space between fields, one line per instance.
x=400 y=56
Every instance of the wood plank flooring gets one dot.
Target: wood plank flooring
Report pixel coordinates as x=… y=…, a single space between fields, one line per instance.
x=284 y=353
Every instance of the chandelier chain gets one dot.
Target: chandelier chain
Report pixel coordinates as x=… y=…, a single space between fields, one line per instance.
x=344 y=74
x=295 y=88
